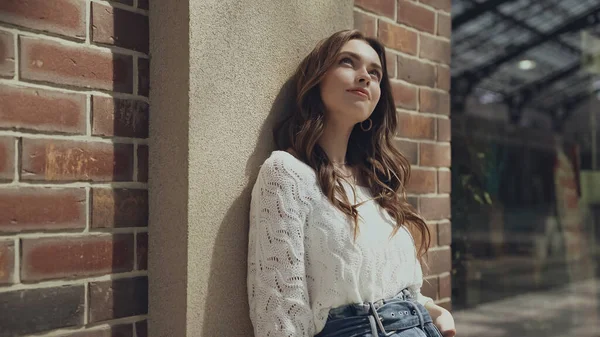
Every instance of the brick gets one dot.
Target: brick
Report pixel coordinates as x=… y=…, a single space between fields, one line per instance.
x=416 y=72
x=382 y=7
x=143 y=4
x=123 y=330
x=444 y=129
x=443 y=78
x=444 y=25
x=415 y=126
x=445 y=286
x=61 y=160
x=7 y=261
x=436 y=155
x=131 y=32
x=430 y=287
x=64 y=17
x=434 y=101
x=142 y=153
x=433 y=232
x=410 y=150
x=398 y=37
x=7 y=54
x=422 y=181
x=143 y=77
x=439 y=261
x=405 y=95
x=390 y=60
x=445 y=5
x=112 y=208
x=366 y=24
x=7 y=158
x=413 y=15
x=141 y=328
x=445 y=233
x=435 y=208
x=142 y=251
x=30 y=311
x=118 y=298
x=119 y=117
x=48 y=61
x=444 y=182
x=30 y=209
x=414 y=202
x=73 y=257
x=435 y=49
x=42 y=110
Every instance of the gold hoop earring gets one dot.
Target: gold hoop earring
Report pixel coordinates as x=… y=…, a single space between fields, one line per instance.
x=363 y=127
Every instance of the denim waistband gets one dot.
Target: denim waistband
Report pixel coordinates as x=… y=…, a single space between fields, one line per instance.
x=363 y=309
x=398 y=313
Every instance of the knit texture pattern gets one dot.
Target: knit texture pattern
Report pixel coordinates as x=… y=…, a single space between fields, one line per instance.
x=302 y=256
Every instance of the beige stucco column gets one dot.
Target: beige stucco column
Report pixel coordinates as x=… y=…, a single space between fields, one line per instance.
x=218 y=69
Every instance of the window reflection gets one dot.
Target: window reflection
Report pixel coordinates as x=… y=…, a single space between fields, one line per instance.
x=525 y=167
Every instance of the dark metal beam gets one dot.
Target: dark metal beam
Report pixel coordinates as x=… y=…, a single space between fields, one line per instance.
x=582 y=21
x=476 y=11
x=533 y=30
x=530 y=90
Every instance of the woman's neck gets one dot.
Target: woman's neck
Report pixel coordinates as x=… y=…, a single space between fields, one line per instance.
x=334 y=141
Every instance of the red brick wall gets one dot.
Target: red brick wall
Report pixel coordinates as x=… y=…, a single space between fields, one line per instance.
x=73 y=167
x=417 y=36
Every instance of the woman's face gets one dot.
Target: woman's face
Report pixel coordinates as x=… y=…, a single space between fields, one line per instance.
x=350 y=89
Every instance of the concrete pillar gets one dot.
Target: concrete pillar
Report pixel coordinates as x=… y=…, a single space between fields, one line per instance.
x=218 y=69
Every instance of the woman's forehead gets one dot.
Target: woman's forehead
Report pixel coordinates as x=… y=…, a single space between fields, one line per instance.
x=362 y=49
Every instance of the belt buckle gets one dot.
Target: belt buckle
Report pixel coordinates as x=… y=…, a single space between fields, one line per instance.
x=379 y=320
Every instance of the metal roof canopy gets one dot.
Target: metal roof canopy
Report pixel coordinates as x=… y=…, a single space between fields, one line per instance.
x=489 y=35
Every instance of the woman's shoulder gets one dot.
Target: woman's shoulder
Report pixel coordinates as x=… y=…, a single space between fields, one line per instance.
x=285 y=165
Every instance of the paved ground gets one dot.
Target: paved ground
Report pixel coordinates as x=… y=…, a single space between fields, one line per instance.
x=572 y=311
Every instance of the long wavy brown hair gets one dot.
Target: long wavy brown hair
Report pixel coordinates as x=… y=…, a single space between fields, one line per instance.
x=381 y=166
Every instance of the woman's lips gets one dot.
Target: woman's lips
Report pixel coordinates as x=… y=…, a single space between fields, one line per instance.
x=359 y=93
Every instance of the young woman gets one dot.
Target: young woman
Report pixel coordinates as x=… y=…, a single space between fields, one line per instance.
x=334 y=247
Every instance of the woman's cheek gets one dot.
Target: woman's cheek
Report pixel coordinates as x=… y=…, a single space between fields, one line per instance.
x=377 y=96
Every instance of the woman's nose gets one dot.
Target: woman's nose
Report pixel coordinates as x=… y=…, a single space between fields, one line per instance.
x=363 y=77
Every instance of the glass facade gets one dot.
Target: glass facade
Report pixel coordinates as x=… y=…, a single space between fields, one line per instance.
x=526 y=167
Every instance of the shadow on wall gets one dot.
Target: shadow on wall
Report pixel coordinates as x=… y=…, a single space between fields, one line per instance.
x=231 y=254
x=122 y=117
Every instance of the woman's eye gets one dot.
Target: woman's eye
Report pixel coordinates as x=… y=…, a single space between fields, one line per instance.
x=375 y=74
x=346 y=60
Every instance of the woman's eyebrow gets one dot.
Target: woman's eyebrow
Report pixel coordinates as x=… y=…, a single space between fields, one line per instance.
x=356 y=56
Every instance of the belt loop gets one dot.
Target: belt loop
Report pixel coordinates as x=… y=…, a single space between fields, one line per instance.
x=378 y=319
x=407 y=294
x=373 y=326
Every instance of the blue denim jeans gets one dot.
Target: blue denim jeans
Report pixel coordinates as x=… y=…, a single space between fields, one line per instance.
x=400 y=316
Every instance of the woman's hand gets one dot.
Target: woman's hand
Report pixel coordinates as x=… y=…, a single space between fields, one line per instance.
x=442 y=319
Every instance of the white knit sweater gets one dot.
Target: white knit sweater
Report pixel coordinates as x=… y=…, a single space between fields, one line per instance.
x=302 y=257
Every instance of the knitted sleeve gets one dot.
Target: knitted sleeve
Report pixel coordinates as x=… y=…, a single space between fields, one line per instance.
x=277 y=290
x=416 y=288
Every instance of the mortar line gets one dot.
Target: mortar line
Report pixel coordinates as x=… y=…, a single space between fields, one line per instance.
x=75 y=282
x=17 y=160
x=17 y=267
x=17 y=53
x=88 y=22
x=71 y=89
